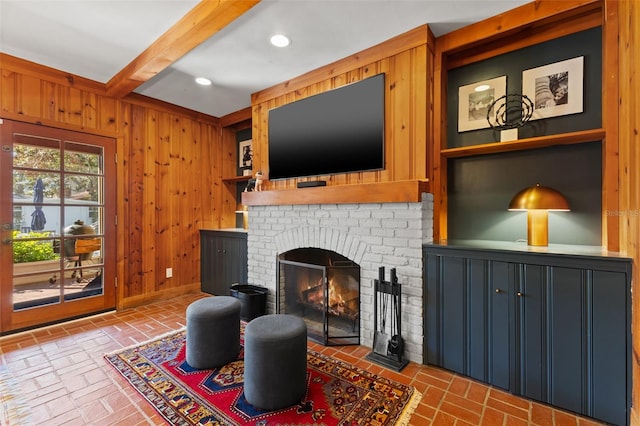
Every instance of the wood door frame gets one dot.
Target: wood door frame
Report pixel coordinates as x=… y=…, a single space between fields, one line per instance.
x=11 y=320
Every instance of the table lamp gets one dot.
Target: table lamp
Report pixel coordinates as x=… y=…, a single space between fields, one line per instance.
x=537 y=201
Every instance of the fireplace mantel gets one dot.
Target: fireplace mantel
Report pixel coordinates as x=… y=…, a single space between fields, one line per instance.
x=379 y=192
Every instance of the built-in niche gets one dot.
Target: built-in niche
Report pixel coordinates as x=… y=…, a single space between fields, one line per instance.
x=480 y=188
x=586 y=43
x=241 y=136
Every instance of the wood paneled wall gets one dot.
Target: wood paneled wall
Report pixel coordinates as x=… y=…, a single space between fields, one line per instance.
x=33 y=93
x=168 y=171
x=171 y=159
x=629 y=140
x=407 y=61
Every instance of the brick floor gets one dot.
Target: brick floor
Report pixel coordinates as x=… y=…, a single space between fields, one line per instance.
x=65 y=381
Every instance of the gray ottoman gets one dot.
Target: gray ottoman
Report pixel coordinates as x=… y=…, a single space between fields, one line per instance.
x=213 y=332
x=275 y=361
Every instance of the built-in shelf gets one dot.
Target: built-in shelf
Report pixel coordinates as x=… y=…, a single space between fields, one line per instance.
x=378 y=192
x=237 y=179
x=529 y=143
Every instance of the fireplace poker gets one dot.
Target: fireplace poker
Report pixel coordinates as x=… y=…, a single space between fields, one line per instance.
x=380 y=338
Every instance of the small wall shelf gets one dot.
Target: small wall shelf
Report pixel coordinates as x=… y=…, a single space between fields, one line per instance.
x=237 y=179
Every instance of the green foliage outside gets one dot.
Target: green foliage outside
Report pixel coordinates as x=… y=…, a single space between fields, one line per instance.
x=30 y=250
x=46 y=164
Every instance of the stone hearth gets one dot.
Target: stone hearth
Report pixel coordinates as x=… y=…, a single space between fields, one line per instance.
x=370 y=234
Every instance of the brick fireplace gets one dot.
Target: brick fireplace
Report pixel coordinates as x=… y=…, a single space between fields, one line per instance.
x=368 y=234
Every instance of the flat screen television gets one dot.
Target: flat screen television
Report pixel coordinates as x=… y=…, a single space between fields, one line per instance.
x=338 y=131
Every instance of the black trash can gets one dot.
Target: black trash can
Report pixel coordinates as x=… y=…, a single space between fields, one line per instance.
x=253 y=300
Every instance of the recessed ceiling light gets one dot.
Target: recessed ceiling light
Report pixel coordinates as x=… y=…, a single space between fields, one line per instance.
x=280 y=40
x=203 y=81
x=482 y=88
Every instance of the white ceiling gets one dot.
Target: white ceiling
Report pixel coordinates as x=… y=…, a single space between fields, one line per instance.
x=98 y=38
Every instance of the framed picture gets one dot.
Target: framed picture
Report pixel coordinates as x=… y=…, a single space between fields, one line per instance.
x=474 y=101
x=245 y=154
x=555 y=89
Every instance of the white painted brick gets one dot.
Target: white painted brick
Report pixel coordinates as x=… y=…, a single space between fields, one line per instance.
x=408 y=252
x=382 y=214
x=383 y=250
x=320 y=213
x=339 y=214
x=278 y=227
x=350 y=223
x=371 y=240
x=370 y=223
x=382 y=232
x=371 y=235
x=413 y=214
x=395 y=224
x=360 y=232
x=393 y=262
x=395 y=242
x=360 y=213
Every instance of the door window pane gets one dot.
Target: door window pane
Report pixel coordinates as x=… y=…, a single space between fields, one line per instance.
x=58 y=210
x=30 y=154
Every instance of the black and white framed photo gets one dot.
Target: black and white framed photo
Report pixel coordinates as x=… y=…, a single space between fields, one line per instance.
x=245 y=154
x=556 y=89
x=474 y=101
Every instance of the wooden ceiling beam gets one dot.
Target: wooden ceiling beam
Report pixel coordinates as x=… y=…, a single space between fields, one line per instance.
x=203 y=21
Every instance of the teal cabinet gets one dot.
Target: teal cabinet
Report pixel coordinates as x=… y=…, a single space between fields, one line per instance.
x=550 y=327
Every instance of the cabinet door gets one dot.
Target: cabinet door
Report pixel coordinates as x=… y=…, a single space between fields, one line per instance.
x=500 y=294
x=609 y=346
x=432 y=285
x=234 y=263
x=446 y=312
x=550 y=352
x=528 y=357
x=208 y=253
x=218 y=267
x=489 y=289
x=223 y=261
x=567 y=328
x=467 y=324
x=453 y=313
x=571 y=340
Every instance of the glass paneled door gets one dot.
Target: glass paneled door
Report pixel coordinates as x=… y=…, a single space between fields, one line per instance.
x=57 y=210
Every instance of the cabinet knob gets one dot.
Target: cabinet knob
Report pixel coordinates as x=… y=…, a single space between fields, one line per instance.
x=520 y=294
x=498 y=290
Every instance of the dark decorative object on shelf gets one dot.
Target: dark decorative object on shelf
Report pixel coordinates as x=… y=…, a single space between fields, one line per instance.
x=513 y=111
x=256 y=183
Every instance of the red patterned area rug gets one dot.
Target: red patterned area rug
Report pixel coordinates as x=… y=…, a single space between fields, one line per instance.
x=337 y=393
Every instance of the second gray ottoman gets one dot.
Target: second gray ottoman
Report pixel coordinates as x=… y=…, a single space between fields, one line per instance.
x=213 y=332
x=275 y=361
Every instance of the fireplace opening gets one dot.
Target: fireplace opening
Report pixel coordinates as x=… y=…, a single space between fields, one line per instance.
x=323 y=288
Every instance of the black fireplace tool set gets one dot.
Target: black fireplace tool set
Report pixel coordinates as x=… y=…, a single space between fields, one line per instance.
x=388 y=348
